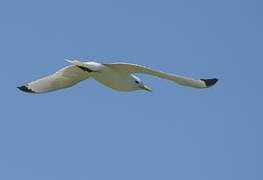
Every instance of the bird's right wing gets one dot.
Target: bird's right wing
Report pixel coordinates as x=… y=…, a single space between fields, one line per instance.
x=184 y=81
x=64 y=78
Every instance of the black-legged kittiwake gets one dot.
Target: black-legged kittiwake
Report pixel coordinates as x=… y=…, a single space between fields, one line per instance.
x=118 y=76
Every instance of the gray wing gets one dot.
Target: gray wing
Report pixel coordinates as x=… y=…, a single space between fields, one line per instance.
x=64 y=78
x=184 y=81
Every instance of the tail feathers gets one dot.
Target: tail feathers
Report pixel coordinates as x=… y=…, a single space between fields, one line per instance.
x=81 y=65
x=75 y=62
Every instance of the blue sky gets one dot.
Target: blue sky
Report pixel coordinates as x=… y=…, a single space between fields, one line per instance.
x=92 y=132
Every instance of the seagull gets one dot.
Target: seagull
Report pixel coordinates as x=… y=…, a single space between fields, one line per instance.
x=118 y=76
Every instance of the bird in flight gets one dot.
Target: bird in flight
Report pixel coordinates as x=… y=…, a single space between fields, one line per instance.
x=118 y=76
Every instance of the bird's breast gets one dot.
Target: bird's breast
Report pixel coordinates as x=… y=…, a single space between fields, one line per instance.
x=113 y=79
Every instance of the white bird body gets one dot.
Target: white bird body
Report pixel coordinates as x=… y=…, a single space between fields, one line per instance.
x=118 y=76
x=107 y=76
x=114 y=80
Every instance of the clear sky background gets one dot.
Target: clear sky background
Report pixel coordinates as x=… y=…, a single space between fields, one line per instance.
x=92 y=132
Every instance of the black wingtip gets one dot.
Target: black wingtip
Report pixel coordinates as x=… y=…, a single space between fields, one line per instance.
x=210 y=82
x=26 y=89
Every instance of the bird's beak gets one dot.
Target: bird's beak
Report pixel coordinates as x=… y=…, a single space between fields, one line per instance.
x=146 y=88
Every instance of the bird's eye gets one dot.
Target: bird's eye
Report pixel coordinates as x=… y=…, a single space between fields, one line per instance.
x=137 y=82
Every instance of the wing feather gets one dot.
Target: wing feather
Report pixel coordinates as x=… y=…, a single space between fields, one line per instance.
x=184 y=81
x=64 y=78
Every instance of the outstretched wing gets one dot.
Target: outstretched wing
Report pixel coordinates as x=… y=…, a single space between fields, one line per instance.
x=184 y=81
x=63 y=78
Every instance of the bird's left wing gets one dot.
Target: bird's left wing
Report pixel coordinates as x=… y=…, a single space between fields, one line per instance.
x=184 y=81
x=64 y=78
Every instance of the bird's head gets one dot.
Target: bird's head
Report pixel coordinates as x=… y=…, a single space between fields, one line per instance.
x=138 y=84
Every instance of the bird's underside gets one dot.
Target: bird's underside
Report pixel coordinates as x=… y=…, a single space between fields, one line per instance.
x=118 y=76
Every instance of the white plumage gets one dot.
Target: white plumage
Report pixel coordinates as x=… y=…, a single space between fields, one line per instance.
x=118 y=76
